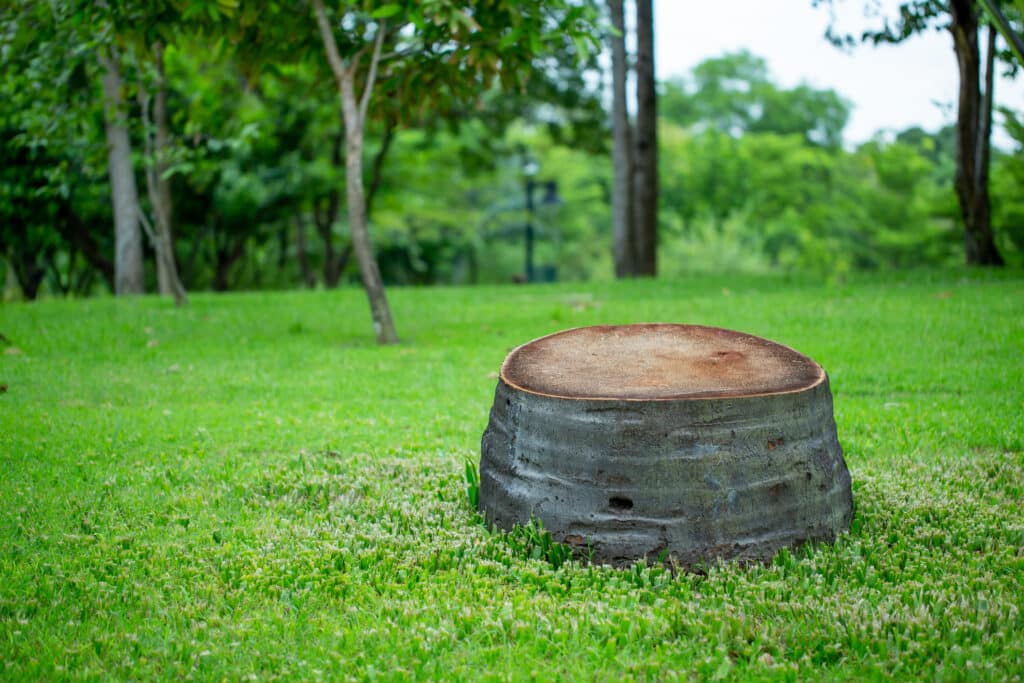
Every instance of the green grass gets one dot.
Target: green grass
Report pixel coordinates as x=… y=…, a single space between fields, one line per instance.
x=250 y=488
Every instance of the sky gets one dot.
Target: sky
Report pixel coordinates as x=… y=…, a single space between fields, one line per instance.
x=891 y=87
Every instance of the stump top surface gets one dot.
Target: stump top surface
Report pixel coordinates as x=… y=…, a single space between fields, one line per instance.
x=657 y=361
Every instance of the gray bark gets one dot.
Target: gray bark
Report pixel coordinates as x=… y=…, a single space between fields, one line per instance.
x=383 y=325
x=645 y=158
x=623 y=250
x=128 y=271
x=354 y=111
x=736 y=466
x=972 y=141
x=158 y=187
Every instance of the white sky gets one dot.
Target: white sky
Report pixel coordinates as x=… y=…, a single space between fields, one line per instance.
x=891 y=87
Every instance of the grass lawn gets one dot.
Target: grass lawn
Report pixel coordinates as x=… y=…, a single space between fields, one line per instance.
x=249 y=488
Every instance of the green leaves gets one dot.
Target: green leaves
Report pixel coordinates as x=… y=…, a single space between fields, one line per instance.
x=386 y=11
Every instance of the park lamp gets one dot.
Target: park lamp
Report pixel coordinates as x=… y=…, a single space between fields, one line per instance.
x=550 y=198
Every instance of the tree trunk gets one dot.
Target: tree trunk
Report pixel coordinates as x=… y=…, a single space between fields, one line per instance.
x=718 y=445
x=354 y=112
x=325 y=218
x=167 y=266
x=28 y=272
x=159 y=187
x=372 y=282
x=645 y=159
x=225 y=257
x=623 y=248
x=308 y=278
x=972 y=140
x=128 y=273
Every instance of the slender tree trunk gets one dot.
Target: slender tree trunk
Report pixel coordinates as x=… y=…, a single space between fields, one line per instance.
x=326 y=216
x=972 y=140
x=72 y=229
x=308 y=278
x=128 y=273
x=354 y=111
x=645 y=159
x=159 y=187
x=372 y=281
x=226 y=257
x=623 y=247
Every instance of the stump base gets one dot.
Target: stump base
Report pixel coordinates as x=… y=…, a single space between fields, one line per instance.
x=675 y=441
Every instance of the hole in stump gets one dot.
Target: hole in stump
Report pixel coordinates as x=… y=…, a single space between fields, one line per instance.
x=617 y=503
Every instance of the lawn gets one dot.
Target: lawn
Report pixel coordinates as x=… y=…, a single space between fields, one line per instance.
x=250 y=488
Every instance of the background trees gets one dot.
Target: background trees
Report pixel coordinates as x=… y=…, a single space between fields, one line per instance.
x=635 y=145
x=250 y=159
x=964 y=19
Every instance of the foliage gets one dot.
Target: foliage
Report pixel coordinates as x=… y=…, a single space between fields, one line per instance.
x=249 y=487
x=1008 y=192
x=734 y=93
x=533 y=542
x=752 y=174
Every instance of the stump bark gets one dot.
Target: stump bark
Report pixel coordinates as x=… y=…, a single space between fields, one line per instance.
x=665 y=441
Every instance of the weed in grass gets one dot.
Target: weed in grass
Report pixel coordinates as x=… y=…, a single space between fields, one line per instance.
x=533 y=541
x=472 y=485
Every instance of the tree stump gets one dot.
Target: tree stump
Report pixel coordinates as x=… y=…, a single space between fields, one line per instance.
x=663 y=441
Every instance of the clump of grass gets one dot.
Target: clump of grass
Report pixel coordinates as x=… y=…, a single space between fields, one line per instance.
x=472 y=484
x=533 y=541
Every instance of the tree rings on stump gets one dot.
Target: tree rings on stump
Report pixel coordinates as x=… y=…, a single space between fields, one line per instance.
x=665 y=441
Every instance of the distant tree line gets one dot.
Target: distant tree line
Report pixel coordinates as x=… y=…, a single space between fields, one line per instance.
x=219 y=144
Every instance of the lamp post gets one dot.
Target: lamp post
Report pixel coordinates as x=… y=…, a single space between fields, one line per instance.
x=550 y=198
x=530 y=169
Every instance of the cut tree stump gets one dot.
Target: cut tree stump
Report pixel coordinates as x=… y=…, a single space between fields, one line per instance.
x=665 y=442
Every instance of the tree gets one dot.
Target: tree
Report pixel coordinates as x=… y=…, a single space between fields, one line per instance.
x=428 y=54
x=128 y=273
x=158 y=185
x=623 y=216
x=354 y=111
x=646 y=145
x=962 y=18
x=634 y=149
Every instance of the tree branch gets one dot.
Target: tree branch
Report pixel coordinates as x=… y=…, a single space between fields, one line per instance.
x=1012 y=38
x=330 y=45
x=371 y=76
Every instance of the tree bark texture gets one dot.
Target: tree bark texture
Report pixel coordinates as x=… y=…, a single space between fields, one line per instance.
x=720 y=445
x=383 y=326
x=972 y=140
x=159 y=187
x=623 y=247
x=128 y=270
x=645 y=159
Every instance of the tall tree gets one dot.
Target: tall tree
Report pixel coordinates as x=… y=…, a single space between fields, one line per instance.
x=158 y=185
x=962 y=18
x=645 y=158
x=354 y=109
x=428 y=55
x=973 y=135
x=623 y=216
x=634 y=148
